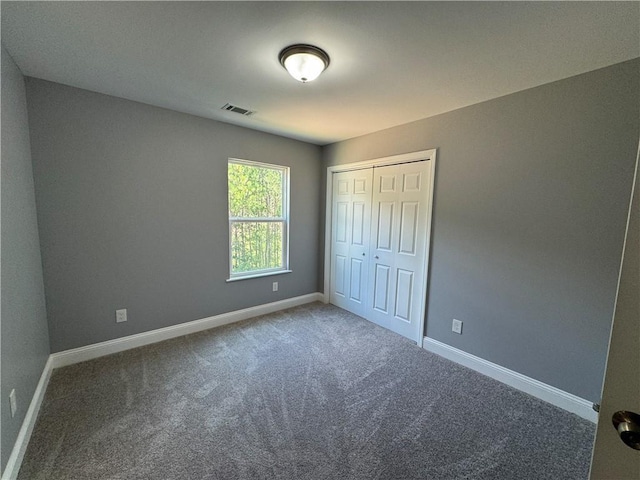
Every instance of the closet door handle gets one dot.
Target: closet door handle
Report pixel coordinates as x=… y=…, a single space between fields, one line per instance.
x=376 y=257
x=363 y=254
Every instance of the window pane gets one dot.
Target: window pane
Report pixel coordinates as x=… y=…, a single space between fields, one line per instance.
x=256 y=246
x=255 y=191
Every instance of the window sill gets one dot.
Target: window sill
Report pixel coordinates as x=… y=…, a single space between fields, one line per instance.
x=257 y=275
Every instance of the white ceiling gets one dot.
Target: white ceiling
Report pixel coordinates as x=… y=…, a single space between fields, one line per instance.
x=391 y=62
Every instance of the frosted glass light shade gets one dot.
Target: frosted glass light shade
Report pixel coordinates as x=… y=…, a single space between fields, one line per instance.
x=304 y=62
x=304 y=67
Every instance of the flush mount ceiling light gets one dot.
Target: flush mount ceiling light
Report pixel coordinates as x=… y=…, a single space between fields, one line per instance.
x=304 y=62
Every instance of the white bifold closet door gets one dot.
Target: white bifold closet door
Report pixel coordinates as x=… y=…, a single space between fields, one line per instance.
x=397 y=283
x=350 y=239
x=379 y=247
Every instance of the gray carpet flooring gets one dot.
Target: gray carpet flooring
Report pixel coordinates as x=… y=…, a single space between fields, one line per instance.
x=308 y=393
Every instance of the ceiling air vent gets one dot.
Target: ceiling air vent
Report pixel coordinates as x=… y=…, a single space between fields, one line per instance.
x=240 y=110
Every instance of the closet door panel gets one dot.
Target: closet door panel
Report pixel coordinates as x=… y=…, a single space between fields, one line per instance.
x=340 y=275
x=359 y=229
x=355 y=288
x=341 y=222
x=398 y=238
x=384 y=240
x=408 y=228
x=403 y=294
x=351 y=214
x=381 y=288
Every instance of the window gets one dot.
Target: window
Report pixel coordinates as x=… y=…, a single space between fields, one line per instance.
x=258 y=218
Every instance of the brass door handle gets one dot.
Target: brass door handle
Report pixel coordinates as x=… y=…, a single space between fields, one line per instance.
x=628 y=426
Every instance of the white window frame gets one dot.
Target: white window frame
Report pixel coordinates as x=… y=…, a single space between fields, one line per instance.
x=284 y=219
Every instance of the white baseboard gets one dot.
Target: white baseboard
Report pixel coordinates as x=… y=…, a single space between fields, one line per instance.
x=20 y=447
x=89 y=352
x=553 y=395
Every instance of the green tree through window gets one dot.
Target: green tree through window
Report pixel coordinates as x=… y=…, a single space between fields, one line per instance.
x=258 y=217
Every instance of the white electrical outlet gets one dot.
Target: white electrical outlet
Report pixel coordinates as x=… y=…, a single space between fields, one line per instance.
x=456 y=327
x=13 y=401
x=275 y=286
x=121 y=315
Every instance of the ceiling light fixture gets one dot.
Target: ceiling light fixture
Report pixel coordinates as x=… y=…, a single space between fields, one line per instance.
x=304 y=62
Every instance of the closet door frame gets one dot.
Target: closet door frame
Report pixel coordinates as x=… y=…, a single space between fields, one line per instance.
x=422 y=155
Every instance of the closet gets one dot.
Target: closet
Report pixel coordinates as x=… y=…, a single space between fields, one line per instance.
x=380 y=225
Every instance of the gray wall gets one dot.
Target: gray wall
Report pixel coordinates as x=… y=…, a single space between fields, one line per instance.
x=25 y=339
x=531 y=196
x=132 y=209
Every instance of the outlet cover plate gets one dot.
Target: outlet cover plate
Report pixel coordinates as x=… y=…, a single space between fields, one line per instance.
x=121 y=315
x=456 y=326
